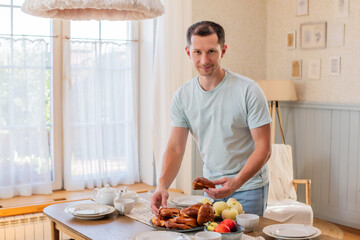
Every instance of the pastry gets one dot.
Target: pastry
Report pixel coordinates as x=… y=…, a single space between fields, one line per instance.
x=200 y=183
x=206 y=214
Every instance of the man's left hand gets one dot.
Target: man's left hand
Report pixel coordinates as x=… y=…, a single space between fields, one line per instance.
x=228 y=187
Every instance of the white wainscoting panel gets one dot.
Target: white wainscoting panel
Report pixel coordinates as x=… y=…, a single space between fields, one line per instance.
x=326 y=149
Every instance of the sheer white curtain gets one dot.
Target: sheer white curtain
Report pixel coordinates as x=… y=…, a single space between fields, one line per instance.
x=100 y=145
x=24 y=145
x=171 y=68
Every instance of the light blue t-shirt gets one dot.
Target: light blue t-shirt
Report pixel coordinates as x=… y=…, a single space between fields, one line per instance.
x=220 y=121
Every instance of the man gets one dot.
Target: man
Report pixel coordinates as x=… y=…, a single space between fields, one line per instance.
x=228 y=117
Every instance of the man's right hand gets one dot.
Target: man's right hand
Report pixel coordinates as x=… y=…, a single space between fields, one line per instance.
x=159 y=199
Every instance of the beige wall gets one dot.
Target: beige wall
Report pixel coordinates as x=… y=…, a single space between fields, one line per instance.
x=245 y=32
x=281 y=18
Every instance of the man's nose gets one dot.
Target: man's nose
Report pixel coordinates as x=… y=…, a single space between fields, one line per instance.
x=204 y=59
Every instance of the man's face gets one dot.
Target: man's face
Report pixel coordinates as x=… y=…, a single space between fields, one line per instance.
x=206 y=53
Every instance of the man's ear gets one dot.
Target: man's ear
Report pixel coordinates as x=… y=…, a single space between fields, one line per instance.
x=187 y=51
x=223 y=50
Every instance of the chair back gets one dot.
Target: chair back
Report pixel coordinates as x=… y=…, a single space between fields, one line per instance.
x=280 y=166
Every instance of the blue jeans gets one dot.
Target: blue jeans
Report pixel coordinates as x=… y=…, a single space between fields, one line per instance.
x=253 y=201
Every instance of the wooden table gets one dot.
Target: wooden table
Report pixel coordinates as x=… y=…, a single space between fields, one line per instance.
x=115 y=226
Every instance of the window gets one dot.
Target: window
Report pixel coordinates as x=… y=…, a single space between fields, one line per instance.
x=37 y=54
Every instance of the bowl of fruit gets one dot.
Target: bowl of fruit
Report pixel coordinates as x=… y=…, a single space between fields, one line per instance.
x=228 y=229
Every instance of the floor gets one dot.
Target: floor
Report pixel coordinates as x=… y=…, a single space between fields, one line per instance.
x=338 y=231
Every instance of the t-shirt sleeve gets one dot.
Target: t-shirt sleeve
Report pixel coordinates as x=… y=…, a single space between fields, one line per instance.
x=178 y=118
x=257 y=107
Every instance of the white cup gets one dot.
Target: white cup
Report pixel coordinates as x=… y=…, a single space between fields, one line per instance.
x=208 y=236
x=247 y=221
x=124 y=205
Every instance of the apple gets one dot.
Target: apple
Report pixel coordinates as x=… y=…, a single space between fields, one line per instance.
x=219 y=207
x=230 y=223
x=206 y=200
x=222 y=228
x=229 y=213
x=211 y=226
x=231 y=201
x=237 y=206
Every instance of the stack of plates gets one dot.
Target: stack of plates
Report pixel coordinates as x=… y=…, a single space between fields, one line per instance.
x=291 y=231
x=89 y=211
x=186 y=201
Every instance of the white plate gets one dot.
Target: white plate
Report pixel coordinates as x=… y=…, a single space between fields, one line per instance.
x=274 y=230
x=89 y=210
x=294 y=230
x=160 y=235
x=186 y=201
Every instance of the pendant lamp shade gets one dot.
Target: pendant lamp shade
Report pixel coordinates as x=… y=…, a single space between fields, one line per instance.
x=94 y=9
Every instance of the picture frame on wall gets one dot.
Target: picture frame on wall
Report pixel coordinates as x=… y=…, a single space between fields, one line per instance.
x=334 y=65
x=302 y=7
x=313 y=35
x=314 y=69
x=296 y=69
x=341 y=8
x=291 y=40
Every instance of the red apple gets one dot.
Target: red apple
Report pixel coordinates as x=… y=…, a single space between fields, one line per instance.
x=222 y=228
x=230 y=223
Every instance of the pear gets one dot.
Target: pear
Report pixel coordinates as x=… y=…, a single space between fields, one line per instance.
x=231 y=201
x=219 y=207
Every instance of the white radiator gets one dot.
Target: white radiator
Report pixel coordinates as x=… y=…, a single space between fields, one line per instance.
x=26 y=227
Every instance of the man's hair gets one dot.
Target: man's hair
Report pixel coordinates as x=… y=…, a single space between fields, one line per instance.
x=205 y=28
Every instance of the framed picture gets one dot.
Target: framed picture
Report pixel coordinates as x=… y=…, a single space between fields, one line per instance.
x=313 y=35
x=341 y=8
x=314 y=69
x=302 y=7
x=334 y=66
x=296 y=69
x=291 y=40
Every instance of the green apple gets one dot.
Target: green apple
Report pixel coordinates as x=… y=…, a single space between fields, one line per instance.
x=231 y=201
x=237 y=206
x=219 y=207
x=206 y=200
x=229 y=213
x=211 y=226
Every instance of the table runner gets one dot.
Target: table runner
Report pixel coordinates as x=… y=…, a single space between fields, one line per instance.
x=142 y=213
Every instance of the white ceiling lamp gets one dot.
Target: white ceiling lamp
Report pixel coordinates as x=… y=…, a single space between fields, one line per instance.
x=94 y=9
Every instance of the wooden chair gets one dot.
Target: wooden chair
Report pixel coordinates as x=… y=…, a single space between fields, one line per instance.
x=282 y=200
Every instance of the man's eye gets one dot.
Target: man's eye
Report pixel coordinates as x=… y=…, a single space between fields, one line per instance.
x=197 y=52
x=211 y=51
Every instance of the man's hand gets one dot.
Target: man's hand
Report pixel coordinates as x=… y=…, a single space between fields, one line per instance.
x=159 y=199
x=229 y=185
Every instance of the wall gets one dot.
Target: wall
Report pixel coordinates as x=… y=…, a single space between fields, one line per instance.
x=245 y=32
x=281 y=18
x=324 y=129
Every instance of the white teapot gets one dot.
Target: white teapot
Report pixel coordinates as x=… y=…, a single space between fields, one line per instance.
x=127 y=194
x=105 y=195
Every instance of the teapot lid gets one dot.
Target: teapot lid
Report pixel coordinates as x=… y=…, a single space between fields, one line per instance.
x=107 y=189
x=128 y=193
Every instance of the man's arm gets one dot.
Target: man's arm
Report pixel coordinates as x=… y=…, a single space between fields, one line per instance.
x=171 y=164
x=257 y=159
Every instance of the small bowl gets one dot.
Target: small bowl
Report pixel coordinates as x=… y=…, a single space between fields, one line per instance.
x=208 y=236
x=231 y=235
x=247 y=221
